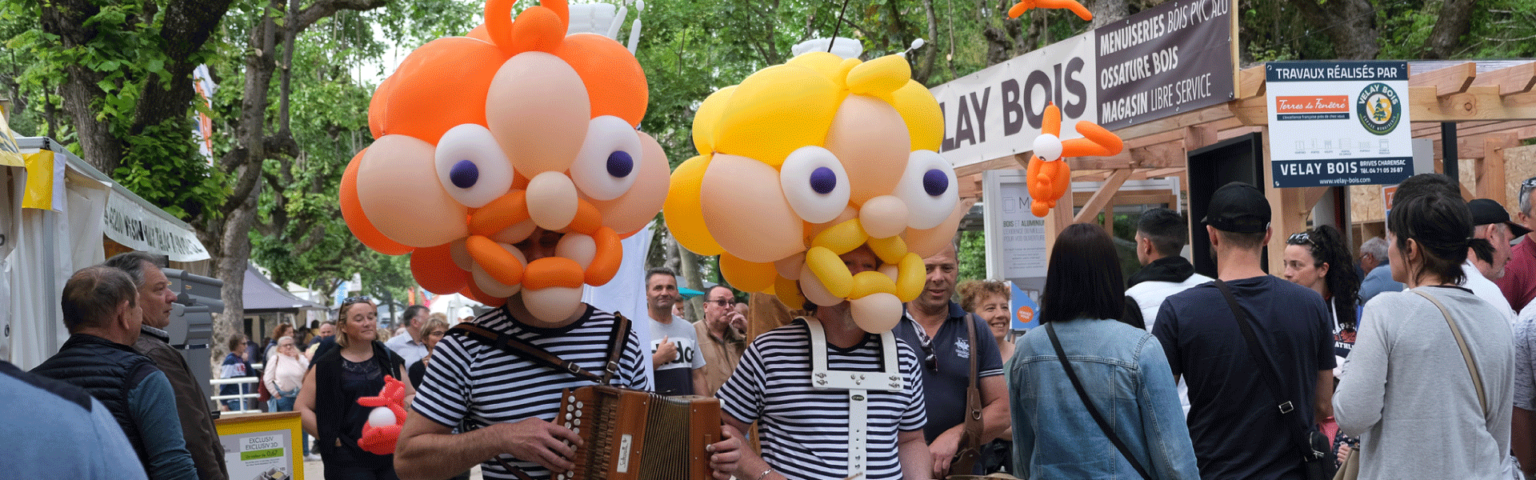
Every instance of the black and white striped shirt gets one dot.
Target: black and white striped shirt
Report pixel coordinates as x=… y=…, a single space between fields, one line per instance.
x=479 y=384
x=805 y=431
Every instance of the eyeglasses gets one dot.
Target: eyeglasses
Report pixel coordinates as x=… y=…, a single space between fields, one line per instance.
x=930 y=361
x=724 y=302
x=1299 y=239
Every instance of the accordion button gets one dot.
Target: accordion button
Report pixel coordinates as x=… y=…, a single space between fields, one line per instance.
x=568 y=417
x=571 y=398
x=578 y=414
x=579 y=405
x=570 y=408
x=576 y=430
x=578 y=422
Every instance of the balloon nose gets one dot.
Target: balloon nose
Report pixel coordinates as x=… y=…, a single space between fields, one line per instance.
x=884 y=216
x=552 y=200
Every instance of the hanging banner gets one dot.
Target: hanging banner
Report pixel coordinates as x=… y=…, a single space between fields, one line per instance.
x=10 y=153
x=1338 y=123
x=1166 y=60
x=998 y=111
x=129 y=223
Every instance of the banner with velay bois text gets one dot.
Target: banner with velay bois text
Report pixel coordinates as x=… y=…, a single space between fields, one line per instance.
x=1338 y=123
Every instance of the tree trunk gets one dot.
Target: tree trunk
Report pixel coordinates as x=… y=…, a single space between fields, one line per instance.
x=930 y=50
x=1350 y=24
x=1455 y=21
x=690 y=273
x=67 y=18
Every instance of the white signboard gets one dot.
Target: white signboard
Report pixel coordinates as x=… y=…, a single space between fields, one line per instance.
x=259 y=456
x=1015 y=236
x=1338 y=123
x=999 y=111
x=132 y=225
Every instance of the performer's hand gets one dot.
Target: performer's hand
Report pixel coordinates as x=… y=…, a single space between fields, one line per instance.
x=667 y=350
x=943 y=450
x=538 y=441
x=725 y=453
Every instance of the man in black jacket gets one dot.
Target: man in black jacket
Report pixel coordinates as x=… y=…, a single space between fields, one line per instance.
x=156 y=297
x=103 y=315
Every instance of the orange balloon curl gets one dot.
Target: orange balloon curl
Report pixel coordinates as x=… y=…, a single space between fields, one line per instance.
x=1049 y=176
x=1025 y=5
x=515 y=126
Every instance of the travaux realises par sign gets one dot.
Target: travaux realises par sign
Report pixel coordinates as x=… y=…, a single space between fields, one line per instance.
x=1169 y=59
x=1338 y=123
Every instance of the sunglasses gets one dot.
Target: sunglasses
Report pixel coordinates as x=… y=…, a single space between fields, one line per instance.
x=722 y=302
x=1299 y=239
x=930 y=361
x=352 y=300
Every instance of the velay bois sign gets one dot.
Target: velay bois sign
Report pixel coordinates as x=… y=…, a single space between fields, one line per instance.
x=1338 y=123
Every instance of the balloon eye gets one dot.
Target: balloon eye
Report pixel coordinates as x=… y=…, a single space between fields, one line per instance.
x=823 y=180
x=609 y=156
x=620 y=164
x=935 y=182
x=927 y=189
x=471 y=166
x=815 y=184
x=464 y=174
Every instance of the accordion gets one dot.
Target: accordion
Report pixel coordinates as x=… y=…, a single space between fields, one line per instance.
x=629 y=434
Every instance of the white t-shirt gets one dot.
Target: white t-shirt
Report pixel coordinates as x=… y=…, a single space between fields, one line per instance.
x=1149 y=296
x=676 y=377
x=1486 y=290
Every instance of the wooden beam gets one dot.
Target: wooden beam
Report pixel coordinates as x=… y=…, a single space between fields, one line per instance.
x=1250 y=82
x=1510 y=80
x=1477 y=103
x=1471 y=146
x=1196 y=136
x=1445 y=81
x=1128 y=198
x=1102 y=197
x=1312 y=195
x=1251 y=111
x=1490 y=169
x=1468 y=129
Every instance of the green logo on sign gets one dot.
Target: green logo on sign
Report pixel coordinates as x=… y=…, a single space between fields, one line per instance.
x=1379 y=108
x=260 y=454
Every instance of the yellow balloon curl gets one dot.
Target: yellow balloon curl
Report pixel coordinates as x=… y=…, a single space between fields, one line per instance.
x=810 y=160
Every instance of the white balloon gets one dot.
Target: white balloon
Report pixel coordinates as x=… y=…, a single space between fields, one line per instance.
x=381 y=417
x=1048 y=147
x=551 y=200
x=876 y=313
x=514 y=234
x=814 y=291
x=552 y=304
x=789 y=267
x=578 y=247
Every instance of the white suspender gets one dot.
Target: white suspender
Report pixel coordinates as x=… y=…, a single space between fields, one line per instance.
x=857 y=384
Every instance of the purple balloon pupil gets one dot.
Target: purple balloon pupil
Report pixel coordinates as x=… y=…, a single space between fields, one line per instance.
x=464 y=174
x=935 y=182
x=620 y=164
x=823 y=180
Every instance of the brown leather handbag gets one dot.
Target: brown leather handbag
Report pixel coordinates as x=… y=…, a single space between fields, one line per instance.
x=970 y=439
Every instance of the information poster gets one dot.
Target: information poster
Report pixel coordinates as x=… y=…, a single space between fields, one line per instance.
x=1024 y=308
x=259 y=455
x=1338 y=123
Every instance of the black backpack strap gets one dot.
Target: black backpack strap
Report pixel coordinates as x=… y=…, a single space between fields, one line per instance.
x=1093 y=411
x=517 y=347
x=1267 y=373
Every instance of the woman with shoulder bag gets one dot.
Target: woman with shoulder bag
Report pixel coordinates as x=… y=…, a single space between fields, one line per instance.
x=328 y=400
x=1429 y=385
x=284 y=374
x=1091 y=396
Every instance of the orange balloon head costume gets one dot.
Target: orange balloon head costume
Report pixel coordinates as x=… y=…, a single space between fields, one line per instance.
x=482 y=140
x=806 y=161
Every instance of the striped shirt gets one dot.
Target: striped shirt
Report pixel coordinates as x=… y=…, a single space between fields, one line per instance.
x=470 y=381
x=804 y=431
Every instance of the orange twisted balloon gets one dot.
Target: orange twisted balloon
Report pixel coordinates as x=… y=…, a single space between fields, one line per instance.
x=1024 y=6
x=1048 y=174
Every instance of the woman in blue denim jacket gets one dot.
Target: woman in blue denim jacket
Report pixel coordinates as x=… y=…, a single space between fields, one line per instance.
x=1122 y=368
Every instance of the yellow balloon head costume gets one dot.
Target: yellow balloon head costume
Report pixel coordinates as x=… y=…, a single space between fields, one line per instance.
x=806 y=161
x=480 y=139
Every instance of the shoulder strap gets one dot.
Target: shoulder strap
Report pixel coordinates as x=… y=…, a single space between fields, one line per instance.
x=970 y=440
x=620 y=338
x=1082 y=394
x=1466 y=353
x=517 y=347
x=1267 y=373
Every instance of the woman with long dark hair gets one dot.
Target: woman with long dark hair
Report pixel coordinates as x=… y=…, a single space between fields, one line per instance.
x=1429 y=385
x=1085 y=383
x=337 y=378
x=1318 y=259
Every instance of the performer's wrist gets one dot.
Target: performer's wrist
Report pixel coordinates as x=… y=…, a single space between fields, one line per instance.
x=765 y=473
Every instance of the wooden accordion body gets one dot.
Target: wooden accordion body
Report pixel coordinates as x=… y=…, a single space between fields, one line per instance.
x=629 y=434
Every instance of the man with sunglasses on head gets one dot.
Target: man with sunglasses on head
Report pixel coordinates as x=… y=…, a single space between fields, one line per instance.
x=936 y=326
x=1519 y=282
x=722 y=336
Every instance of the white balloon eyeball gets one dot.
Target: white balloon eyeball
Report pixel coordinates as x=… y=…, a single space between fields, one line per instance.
x=929 y=189
x=381 y=417
x=471 y=165
x=815 y=184
x=609 y=160
x=1048 y=147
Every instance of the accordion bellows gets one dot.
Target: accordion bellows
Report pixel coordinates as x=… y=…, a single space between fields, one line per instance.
x=629 y=434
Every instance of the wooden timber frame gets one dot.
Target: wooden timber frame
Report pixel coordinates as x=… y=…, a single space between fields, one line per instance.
x=1492 y=102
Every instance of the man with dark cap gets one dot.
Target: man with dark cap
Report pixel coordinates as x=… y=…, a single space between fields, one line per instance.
x=1237 y=429
x=1486 y=258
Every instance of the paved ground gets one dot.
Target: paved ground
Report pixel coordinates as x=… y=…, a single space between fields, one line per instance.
x=314 y=470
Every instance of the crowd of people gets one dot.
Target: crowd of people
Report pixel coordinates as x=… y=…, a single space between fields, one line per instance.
x=1408 y=360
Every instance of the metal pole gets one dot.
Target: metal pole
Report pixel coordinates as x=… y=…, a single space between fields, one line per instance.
x=1448 y=157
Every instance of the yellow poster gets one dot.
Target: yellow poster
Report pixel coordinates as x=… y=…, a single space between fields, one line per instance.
x=43 y=179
